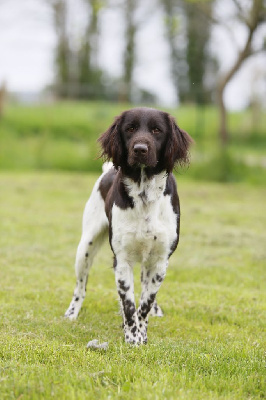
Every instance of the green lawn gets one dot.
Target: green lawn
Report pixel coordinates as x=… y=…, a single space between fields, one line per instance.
x=209 y=345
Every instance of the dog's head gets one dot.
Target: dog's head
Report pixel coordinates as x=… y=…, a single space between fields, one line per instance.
x=145 y=137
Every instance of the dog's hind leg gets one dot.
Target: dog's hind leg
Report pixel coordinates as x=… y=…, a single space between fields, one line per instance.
x=94 y=231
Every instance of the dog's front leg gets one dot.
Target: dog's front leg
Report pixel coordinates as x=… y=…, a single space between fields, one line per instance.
x=125 y=286
x=152 y=278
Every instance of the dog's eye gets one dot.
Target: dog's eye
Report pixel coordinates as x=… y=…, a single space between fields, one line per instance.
x=155 y=130
x=131 y=129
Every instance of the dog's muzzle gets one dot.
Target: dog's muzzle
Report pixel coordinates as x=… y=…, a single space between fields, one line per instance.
x=142 y=152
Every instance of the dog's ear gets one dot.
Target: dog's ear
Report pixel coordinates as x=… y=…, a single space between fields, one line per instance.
x=111 y=143
x=177 y=146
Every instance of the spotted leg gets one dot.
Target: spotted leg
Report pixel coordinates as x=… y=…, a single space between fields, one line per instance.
x=152 y=278
x=94 y=231
x=156 y=310
x=125 y=287
x=85 y=254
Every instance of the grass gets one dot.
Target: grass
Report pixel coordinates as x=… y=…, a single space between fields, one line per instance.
x=209 y=345
x=62 y=136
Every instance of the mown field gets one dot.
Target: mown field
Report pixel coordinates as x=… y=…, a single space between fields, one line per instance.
x=209 y=345
x=62 y=136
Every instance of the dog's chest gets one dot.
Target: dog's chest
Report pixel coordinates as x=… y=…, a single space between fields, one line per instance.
x=149 y=228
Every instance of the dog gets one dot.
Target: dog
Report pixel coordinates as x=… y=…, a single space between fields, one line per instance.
x=136 y=201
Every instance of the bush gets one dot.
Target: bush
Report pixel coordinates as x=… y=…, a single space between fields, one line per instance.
x=222 y=166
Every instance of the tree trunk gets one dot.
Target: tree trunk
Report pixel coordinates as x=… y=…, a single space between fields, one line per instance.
x=129 y=55
x=177 y=52
x=2 y=98
x=62 y=47
x=223 y=129
x=196 y=53
x=242 y=56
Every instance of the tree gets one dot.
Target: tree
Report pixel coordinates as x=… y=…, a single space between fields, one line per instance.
x=250 y=15
x=129 y=58
x=188 y=33
x=59 y=8
x=135 y=13
x=2 y=98
x=173 y=13
x=197 y=55
x=89 y=73
x=251 y=18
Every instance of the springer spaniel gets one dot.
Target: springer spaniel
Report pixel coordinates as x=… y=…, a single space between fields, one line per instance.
x=136 y=200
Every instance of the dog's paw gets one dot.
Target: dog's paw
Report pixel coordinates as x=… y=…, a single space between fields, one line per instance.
x=71 y=317
x=71 y=313
x=135 y=341
x=156 y=311
x=143 y=331
x=74 y=308
x=134 y=336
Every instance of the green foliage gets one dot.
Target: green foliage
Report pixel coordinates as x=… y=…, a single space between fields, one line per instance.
x=209 y=345
x=63 y=136
x=222 y=167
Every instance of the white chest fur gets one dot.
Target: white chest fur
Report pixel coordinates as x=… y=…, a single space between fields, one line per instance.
x=145 y=232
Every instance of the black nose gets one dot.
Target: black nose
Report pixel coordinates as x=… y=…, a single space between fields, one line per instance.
x=140 y=149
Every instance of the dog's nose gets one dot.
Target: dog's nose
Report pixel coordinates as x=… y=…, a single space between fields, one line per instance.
x=140 y=149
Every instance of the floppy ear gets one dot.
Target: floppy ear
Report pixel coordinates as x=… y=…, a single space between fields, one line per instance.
x=177 y=146
x=111 y=143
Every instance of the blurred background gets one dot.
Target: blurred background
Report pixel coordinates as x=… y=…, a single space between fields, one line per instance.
x=67 y=67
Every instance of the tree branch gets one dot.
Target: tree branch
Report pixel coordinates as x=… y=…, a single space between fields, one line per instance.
x=246 y=51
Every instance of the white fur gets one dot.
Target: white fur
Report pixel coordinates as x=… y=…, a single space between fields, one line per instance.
x=107 y=166
x=143 y=234
x=94 y=231
x=134 y=229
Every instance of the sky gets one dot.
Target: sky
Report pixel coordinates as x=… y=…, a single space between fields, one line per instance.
x=27 y=43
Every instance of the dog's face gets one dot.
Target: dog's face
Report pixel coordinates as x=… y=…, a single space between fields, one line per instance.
x=144 y=137
x=144 y=134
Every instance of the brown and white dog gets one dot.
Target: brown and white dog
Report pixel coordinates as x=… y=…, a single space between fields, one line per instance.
x=136 y=200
